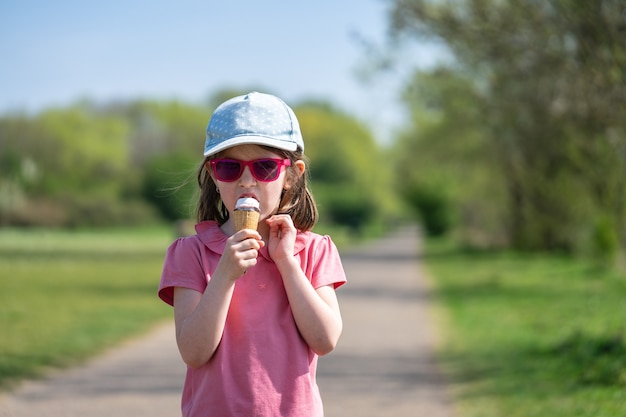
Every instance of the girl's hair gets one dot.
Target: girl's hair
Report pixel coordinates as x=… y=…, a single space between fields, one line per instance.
x=297 y=201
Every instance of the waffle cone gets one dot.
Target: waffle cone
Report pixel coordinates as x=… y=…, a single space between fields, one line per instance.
x=246 y=219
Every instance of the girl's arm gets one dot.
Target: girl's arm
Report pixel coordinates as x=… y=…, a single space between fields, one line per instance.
x=316 y=311
x=200 y=317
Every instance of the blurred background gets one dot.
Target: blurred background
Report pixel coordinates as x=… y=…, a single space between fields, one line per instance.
x=104 y=106
x=504 y=122
x=501 y=124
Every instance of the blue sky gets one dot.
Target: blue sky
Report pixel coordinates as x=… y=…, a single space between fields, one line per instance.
x=56 y=52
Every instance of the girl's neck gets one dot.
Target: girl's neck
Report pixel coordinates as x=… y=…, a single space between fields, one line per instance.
x=228 y=229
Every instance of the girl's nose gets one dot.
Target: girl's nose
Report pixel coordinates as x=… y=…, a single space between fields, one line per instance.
x=247 y=179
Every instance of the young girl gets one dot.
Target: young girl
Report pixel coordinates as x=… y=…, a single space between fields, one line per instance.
x=253 y=309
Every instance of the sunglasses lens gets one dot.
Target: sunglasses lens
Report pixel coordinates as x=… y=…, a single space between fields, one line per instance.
x=265 y=169
x=227 y=170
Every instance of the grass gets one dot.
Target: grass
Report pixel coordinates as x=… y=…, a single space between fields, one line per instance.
x=531 y=335
x=67 y=295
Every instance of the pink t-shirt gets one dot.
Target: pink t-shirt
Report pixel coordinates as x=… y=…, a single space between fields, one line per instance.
x=262 y=366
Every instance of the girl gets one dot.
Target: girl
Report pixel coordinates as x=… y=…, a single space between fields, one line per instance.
x=253 y=309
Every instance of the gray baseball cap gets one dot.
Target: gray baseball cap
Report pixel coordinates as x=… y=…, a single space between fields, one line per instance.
x=254 y=118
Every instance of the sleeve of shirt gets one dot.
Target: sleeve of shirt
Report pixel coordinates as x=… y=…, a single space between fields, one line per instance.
x=182 y=268
x=327 y=267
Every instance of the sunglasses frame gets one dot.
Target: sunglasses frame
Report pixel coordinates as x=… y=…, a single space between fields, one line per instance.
x=250 y=164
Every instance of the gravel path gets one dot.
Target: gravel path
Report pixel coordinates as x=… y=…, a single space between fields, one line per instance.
x=383 y=366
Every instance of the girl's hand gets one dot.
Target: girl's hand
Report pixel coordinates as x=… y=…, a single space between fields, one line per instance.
x=240 y=253
x=282 y=237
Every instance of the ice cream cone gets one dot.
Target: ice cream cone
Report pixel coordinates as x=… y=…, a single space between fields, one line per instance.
x=246 y=219
x=246 y=214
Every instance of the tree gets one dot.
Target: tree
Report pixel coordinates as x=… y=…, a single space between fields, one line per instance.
x=350 y=174
x=553 y=78
x=445 y=166
x=121 y=163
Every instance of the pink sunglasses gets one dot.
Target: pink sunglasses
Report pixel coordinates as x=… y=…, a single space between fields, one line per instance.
x=265 y=170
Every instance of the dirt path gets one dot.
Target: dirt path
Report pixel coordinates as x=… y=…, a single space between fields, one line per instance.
x=383 y=365
x=142 y=377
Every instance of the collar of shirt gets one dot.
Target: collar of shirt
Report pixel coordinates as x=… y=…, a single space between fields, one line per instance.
x=213 y=238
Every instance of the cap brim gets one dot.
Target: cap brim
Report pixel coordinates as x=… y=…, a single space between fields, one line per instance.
x=251 y=140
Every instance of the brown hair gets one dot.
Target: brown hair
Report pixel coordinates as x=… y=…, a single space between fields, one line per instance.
x=297 y=201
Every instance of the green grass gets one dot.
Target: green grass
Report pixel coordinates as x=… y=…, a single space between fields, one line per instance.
x=529 y=335
x=67 y=295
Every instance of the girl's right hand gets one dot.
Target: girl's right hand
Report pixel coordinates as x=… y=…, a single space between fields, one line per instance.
x=240 y=253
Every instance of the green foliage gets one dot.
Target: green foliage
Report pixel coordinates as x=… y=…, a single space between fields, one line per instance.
x=350 y=174
x=445 y=166
x=537 y=92
x=93 y=166
x=179 y=128
x=136 y=163
x=87 y=152
x=605 y=241
x=67 y=168
x=433 y=208
x=529 y=334
x=344 y=205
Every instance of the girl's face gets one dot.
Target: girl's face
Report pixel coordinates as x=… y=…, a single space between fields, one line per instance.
x=267 y=193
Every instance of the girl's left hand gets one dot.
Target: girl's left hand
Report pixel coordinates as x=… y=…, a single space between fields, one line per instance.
x=282 y=237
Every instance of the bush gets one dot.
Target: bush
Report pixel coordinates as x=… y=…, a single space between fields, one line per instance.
x=433 y=207
x=345 y=205
x=605 y=243
x=79 y=211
